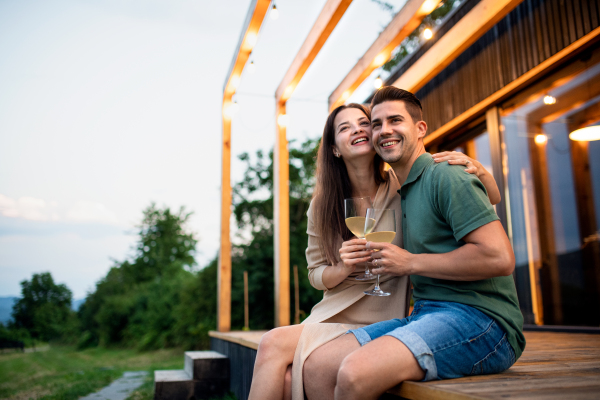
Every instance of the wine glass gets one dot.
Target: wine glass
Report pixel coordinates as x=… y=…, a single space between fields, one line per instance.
x=355 y=213
x=385 y=231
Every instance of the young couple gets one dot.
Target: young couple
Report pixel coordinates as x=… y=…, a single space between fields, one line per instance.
x=466 y=318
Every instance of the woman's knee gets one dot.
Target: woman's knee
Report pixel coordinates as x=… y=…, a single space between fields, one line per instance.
x=276 y=343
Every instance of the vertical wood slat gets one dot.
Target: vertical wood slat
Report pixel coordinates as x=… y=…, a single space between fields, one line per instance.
x=492 y=118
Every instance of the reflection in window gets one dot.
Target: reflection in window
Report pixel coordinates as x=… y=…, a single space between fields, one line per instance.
x=554 y=193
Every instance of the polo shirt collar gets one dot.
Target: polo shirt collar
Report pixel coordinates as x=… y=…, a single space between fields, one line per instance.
x=422 y=162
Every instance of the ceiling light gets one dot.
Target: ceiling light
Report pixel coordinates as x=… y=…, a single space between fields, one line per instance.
x=541 y=139
x=587 y=134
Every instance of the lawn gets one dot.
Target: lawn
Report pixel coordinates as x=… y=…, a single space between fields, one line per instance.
x=64 y=373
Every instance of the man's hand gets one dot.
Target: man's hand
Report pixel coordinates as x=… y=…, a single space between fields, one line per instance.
x=390 y=259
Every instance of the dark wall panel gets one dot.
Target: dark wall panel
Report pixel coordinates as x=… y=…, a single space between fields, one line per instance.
x=241 y=361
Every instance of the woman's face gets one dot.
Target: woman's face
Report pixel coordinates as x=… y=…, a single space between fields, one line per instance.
x=352 y=134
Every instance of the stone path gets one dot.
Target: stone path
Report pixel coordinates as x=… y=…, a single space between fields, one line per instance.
x=121 y=388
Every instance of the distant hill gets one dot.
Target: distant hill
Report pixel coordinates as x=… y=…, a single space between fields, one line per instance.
x=6 y=305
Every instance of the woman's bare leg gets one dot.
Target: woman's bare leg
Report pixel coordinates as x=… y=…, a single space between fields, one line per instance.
x=275 y=353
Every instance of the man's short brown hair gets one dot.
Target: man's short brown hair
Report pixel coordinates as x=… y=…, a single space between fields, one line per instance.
x=392 y=93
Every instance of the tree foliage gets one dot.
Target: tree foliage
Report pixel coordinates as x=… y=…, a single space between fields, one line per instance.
x=44 y=309
x=253 y=211
x=136 y=303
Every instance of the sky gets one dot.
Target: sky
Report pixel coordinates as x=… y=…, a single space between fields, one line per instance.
x=109 y=105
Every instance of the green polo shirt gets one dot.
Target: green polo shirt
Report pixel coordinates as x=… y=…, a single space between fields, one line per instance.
x=441 y=203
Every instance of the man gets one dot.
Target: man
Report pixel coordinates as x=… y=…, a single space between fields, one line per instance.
x=466 y=319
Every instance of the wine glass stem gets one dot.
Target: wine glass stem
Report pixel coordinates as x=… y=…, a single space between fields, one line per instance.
x=377 y=284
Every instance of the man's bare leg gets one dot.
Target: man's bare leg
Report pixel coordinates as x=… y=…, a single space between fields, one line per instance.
x=275 y=353
x=376 y=367
x=321 y=367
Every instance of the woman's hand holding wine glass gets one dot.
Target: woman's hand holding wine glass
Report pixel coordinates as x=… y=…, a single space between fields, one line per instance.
x=354 y=252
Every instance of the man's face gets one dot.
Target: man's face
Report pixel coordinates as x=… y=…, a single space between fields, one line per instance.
x=395 y=134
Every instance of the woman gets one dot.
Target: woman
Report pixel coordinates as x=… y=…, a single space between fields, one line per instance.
x=347 y=166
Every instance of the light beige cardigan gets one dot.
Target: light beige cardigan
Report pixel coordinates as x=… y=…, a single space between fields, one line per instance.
x=346 y=306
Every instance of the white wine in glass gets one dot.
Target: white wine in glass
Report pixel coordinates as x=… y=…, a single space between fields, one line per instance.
x=355 y=211
x=385 y=231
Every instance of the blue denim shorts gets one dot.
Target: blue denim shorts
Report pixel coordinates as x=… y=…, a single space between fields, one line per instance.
x=449 y=340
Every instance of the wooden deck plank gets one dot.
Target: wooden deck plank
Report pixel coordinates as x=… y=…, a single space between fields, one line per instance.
x=553 y=366
x=249 y=339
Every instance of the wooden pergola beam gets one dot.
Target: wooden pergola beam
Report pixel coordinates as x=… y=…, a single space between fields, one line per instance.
x=327 y=20
x=405 y=21
x=463 y=34
x=254 y=19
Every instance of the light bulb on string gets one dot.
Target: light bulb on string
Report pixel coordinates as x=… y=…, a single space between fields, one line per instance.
x=378 y=83
x=540 y=139
x=274 y=12
x=427 y=33
x=251 y=67
x=549 y=100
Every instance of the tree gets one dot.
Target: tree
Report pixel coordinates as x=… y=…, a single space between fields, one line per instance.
x=134 y=304
x=253 y=211
x=44 y=308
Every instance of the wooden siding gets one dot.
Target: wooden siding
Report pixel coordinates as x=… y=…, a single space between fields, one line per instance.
x=530 y=34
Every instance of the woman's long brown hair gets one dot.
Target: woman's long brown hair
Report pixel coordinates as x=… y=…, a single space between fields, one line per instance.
x=333 y=186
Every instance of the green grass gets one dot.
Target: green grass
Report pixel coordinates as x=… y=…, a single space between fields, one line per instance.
x=64 y=373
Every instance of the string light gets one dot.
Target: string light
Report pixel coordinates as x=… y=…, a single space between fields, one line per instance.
x=378 y=83
x=274 y=12
x=283 y=120
x=427 y=33
x=251 y=67
x=549 y=100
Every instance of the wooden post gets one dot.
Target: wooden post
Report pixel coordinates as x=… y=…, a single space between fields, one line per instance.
x=254 y=18
x=330 y=15
x=224 y=269
x=296 y=296
x=246 y=305
x=281 y=219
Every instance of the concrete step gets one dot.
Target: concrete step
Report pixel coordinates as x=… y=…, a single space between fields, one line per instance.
x=202 y=365
x=206 y=375
x=173 y=384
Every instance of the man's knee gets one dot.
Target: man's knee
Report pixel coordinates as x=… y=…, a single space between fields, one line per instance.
x=350 y=377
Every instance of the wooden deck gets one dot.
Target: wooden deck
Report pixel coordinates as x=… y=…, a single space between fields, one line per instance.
x=553 y=366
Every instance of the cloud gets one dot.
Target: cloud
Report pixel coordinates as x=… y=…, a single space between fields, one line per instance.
x=28 y=208
x=86 y=211
x=33 y=209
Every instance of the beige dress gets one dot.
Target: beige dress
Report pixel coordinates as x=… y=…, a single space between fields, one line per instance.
x=345 y=306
